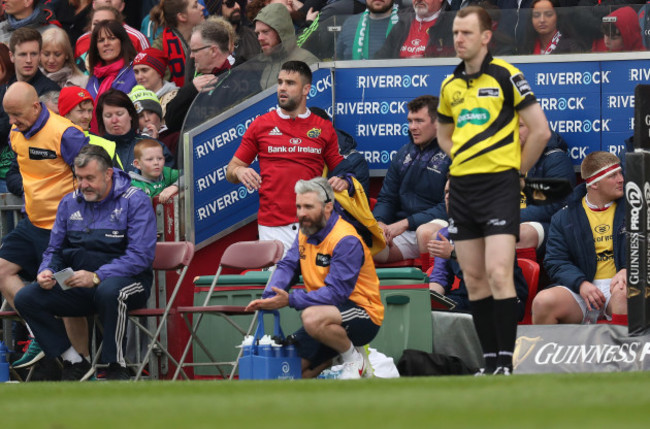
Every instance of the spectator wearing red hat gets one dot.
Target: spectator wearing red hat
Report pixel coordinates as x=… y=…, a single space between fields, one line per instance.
x=76 y=104
x=149 y=67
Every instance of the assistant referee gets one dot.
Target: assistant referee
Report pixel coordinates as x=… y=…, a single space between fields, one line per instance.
x=478 y=126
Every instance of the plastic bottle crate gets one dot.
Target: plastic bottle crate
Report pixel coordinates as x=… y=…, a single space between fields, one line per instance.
x=266 y=361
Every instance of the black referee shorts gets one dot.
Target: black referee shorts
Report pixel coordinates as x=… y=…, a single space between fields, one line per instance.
x=484 y=204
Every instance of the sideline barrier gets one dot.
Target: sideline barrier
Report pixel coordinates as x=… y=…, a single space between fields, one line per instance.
x=590 y=103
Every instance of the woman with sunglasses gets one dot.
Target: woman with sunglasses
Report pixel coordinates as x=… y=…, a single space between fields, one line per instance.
x=178 y=17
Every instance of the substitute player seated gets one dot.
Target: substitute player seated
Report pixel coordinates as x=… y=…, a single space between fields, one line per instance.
x=586 y=251
x=535 y=219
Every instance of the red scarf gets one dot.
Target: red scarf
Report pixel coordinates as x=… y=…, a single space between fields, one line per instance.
x=108 y=73
x=173 y=49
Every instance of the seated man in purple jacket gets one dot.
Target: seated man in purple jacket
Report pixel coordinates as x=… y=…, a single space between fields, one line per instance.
x=105 y=232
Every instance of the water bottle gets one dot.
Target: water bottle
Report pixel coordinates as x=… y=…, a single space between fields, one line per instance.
x=4 y=363
x=591 y=318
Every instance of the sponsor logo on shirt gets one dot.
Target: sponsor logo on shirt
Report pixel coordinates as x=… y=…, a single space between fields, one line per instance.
x=456 y=99
x=116 y=214
x=478 y=116
x=41 y=154
x=275 y=132
x=295 y=140
x=488 y=92
x=76 y=216
x=323 y=260
x=314 y=133
x=522 y=85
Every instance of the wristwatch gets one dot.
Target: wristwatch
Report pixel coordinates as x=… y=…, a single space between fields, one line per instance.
x=96 y=280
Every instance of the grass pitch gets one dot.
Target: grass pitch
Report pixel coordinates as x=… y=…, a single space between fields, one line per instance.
x=613 y=400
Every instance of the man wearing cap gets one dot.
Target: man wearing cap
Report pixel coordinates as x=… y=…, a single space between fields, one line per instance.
x=76 y=104
x=586 y=250
x=149 y=68
x=150 y=117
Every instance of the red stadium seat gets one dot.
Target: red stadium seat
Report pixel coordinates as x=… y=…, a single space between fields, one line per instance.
x=531 y=274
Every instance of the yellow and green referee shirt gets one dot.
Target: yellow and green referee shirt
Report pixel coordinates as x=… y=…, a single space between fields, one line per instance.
x=483 y=108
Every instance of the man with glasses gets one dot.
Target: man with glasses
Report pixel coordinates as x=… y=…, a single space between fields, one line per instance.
x=210 y=48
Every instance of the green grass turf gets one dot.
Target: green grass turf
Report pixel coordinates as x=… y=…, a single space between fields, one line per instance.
x=614 y=400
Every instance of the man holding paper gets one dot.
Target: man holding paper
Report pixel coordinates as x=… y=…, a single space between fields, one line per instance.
x=105 y=232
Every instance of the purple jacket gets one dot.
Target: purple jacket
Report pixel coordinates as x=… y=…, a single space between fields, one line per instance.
x=125 y=81
x=347 y=260
x=115 y=237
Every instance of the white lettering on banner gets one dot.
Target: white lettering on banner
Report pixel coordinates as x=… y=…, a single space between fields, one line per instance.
x=572 y=78
x=370 y=130
x=634 y=199
x=575 y=354
x=580 y=126
x=393 y=81
x=320 y=86
x=371 y=108
x=616 y=149
x=639 y=75
x=562 y=103
x=211 y=178
x=377 y=157
x=618 y=101
x=216 y=142
x=578 y=152
x=220 y=203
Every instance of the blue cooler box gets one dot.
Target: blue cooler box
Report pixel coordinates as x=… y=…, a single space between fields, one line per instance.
x=269 y=362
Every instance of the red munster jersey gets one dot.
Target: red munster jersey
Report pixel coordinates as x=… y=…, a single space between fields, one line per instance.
x=288 y=150
x=417 y=40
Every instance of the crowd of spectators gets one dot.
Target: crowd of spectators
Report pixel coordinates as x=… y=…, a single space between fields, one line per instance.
x=128 y=72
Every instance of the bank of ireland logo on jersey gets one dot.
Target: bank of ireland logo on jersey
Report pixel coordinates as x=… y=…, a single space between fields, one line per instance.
x=295 y=140
x=477 y=116
x=314 y=133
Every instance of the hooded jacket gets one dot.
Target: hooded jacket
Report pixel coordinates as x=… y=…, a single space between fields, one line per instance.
x=115 y=237
x=277 y=17
x=570 y=251
x=627 y=23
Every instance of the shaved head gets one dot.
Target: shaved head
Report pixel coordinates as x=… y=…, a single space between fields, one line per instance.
x=22 y=105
